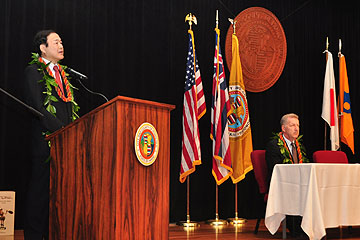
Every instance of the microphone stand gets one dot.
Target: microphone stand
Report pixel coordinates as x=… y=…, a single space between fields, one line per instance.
x=34 y=111
x=92 y=92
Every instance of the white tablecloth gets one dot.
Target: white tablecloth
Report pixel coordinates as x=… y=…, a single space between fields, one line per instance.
x=326 y=195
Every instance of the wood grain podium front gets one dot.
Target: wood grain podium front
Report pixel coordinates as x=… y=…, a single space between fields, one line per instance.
x=98 y=188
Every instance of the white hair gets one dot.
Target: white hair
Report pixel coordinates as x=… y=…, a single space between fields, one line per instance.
x=284 y=118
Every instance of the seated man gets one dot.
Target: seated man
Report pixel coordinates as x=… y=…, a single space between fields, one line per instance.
x=286 y=148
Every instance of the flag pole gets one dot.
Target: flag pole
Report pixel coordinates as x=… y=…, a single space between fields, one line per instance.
x=190 y=18
x=188 y=223
x=216 y=222
x=325 y=128
x=236 y=220
x=340 y=110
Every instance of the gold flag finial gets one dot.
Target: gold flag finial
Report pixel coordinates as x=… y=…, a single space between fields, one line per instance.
x=327 y=43
x=340 y=47
x=191 y=19
x=233 y=24
x=217 y=18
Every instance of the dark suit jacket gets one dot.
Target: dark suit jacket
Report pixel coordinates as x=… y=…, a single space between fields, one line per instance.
x=35 y=98
x=273 y=156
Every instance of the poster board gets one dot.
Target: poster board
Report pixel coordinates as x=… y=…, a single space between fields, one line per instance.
x=7 y=212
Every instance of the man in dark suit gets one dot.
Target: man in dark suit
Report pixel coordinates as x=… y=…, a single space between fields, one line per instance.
x=288 y=140
x=286 y=148
x=45 y=67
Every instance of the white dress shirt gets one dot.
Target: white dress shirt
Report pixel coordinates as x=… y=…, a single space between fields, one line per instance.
x=288 y=143
x=51 y=67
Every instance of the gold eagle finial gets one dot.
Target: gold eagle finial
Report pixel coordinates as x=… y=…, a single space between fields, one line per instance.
x=191 y=19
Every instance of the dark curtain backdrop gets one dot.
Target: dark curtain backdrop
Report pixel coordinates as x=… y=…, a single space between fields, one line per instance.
x=137 y=48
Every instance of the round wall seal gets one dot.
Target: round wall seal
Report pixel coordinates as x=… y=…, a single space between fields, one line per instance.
x=262 y=48
x=146 y=144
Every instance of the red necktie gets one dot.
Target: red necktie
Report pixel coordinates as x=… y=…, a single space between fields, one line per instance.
x=57 y=77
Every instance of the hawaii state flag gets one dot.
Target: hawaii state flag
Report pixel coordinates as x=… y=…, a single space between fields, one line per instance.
x=329 y=109
x=194 y=109
x=239 y=121
x=346 y=123
x=220 y=110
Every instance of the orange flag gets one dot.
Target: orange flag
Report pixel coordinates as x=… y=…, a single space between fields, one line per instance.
x=346 y=123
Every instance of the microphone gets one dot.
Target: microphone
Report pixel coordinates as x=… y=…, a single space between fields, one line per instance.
x=82 y=76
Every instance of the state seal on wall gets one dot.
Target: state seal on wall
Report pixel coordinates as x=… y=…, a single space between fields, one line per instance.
x=239 y=118
x=146 y=144
x=262 y=48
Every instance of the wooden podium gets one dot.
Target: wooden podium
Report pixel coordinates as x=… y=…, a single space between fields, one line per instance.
x=98 y=188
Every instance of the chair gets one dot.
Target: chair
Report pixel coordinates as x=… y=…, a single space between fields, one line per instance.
x=326 y=156
x=261 y=176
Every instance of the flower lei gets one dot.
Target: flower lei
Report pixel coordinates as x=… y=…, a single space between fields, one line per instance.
x=284 y=149
x=50 y=82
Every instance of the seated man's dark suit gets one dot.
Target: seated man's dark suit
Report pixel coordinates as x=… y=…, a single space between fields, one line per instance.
x=273 y=156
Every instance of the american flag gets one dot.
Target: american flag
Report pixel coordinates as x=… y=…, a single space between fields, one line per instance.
x=220 y=110
x=194 y=109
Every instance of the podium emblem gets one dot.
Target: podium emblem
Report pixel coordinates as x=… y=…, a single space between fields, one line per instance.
x=146 y=144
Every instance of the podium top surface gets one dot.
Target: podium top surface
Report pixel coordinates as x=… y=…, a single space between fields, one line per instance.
x=115 y=99
x=138 y=101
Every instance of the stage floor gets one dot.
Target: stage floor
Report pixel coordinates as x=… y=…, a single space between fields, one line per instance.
x=245 y=231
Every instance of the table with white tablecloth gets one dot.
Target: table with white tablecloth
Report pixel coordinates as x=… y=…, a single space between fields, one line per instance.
x=325 y=195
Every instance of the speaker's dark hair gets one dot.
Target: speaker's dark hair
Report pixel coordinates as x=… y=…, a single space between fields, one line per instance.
x=41 y=38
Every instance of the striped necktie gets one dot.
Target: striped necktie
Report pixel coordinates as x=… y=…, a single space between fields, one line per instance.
x=57 y=78
x=294 y=153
